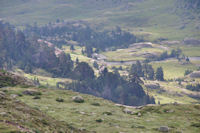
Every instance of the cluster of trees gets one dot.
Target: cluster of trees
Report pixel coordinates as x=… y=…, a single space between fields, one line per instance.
x=193 y=87
x=83 y=34
x=13 y=46
x=147 y=71
x=174 y=54
x=25 y=52
x=110 y=85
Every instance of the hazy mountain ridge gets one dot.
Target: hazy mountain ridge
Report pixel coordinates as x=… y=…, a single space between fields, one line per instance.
x=146 y=17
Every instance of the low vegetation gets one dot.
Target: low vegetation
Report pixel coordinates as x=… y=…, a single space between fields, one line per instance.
x=108 y=117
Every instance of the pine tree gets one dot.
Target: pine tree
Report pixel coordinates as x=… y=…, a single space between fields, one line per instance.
x=83 y=71
x=77 y=60
x=72 y=47
x=187 y=59
x=136 y=69
x=89 y=51
x=95 y=65
x=160 y=74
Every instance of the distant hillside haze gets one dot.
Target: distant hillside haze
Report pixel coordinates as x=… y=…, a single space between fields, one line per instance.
x=153 y=19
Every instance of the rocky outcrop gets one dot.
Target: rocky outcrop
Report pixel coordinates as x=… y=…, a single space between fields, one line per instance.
x=78 y=99
x=164 y=129
x=11 y=79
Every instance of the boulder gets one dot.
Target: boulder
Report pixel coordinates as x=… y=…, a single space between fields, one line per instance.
x=31 y=92
x=164 y=129
x=127 y=111
x=139 y=114
x=13 y=95
x=78 y=99
x=107 y=113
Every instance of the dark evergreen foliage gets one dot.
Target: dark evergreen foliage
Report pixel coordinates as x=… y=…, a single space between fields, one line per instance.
x=83 y=71
x=83 y=34
x=95 y=65
x=148 y=71
x=193 y=87
x=136 y=69
x=160 y=74
x=113 y=87
x=27 y=53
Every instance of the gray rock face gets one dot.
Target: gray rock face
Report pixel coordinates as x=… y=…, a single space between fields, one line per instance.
x=164 y=129
x=78 y=99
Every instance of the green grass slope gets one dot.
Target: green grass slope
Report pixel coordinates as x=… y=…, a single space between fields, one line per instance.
x=16 y=116
x=32 y=109
x=151 y=18
x=99 y=115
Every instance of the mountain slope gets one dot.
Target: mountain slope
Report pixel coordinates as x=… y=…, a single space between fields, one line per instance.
x=99 y=115
x=152 y=18
x=48 y=110
x=16 y=116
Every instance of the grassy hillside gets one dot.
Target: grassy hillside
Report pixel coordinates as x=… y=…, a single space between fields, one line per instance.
x=151 y=18
x=49 y=110
x=16 y=116
x=99 y=115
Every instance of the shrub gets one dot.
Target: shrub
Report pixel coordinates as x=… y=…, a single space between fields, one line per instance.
x=95 y=104
x=99 y=120
x=36 y=97
x=195 y=125
x=59 y=100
